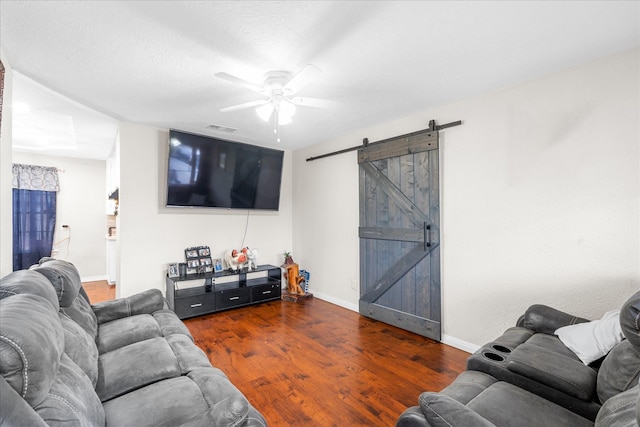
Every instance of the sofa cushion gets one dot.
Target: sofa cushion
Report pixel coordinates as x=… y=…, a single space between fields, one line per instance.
x=213 y=401
x=80 y=347
x=73 y=301
x=170 y=323
x=443 y=411
x=127 y=368
x=135 y=366
x=188 y=355
x=158 y=404
x=142 y=303
x=63 y=276
x=31 y=345
x=477 y=399
x=80 y=312
x=558 y=371
x=71 y=401
x=592 y=340
x=468 y=385
x=553 y=344
x=128 y=330
x=630 y=319
x=28 y=282
x=228 y=406
x=507 y=405
x=620 y=369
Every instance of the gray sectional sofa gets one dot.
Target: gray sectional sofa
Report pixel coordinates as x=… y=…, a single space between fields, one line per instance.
x=126 y=362
x=552 y=369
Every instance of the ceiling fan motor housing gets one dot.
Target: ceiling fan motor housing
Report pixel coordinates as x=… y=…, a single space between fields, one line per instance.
x=275 y=81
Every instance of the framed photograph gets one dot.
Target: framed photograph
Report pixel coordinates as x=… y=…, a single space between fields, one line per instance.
x=218 y=265
x=191 y=253
x=173 y=271
x=199 y=259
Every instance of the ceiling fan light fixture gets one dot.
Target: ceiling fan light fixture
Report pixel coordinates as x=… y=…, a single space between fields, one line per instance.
x=265 y=111
x=286 y=110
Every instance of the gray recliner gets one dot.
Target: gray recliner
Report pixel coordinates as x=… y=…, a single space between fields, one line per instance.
x=528 y=377
x=128 y=362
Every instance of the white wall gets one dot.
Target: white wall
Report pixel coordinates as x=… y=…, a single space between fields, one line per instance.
x=539 y=201
x=6 y=222
x=80 y=203
x=151 y=236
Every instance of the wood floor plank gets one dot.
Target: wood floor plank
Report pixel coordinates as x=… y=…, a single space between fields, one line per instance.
x=318 y=364
x=99 y=290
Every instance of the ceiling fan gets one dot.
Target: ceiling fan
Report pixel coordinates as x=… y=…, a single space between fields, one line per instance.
x=277 y=90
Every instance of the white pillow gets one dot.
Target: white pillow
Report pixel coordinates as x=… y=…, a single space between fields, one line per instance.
x=592 y=340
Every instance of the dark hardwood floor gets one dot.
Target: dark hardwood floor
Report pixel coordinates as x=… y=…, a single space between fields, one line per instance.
x=99 y=291
x=318 y=364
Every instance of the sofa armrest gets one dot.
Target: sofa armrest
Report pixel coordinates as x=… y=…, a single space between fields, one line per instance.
x=620 y=410
x=14 y=410
x=442 y=410
x=412 y=417
x=545 y=319
x=145 y=302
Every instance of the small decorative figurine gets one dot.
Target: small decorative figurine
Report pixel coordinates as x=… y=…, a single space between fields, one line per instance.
x=294 y=279
x=253 y=255
x=235 y=260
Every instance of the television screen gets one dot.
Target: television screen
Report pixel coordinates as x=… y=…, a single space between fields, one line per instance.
x=215 y=173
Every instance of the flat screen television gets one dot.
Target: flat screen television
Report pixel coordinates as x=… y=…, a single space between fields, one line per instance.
x=215 y=173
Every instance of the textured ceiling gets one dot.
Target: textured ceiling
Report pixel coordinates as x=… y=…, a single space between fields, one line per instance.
x=154 y=62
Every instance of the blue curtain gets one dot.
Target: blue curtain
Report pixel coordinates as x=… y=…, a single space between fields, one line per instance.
x=34 y=213
x=34 y=221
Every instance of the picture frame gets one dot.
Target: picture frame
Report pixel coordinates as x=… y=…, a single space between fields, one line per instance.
x=218 y=265
x=191 y=253
x=173 y=271
x=198 y=260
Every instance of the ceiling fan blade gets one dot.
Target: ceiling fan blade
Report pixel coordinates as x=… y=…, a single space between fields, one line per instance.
x=301 y=79
x=245 y=105
x=241 y=82
x=314 y=102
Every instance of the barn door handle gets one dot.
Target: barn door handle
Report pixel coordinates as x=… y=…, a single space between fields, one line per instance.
x=427 y=236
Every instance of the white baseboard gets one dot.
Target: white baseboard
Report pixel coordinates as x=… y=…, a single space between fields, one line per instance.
x=93 y=278
x=459 y=344
x=336 y=301
x=446 y=339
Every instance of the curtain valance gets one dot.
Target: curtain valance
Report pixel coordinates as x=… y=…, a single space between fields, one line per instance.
x=29 y=177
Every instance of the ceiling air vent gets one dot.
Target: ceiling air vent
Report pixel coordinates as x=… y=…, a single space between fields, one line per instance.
x=221 y=128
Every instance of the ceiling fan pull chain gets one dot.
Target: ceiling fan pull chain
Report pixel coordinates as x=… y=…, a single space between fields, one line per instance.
x=276 y=124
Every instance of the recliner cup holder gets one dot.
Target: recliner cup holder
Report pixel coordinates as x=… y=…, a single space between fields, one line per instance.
x=501 y=349
x=493 y=356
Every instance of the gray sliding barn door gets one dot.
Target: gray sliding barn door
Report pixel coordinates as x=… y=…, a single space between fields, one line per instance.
x=400 y=232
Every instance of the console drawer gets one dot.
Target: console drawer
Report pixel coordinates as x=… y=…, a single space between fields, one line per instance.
x=232 y=298
x=195 y=305
x=265 y=292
